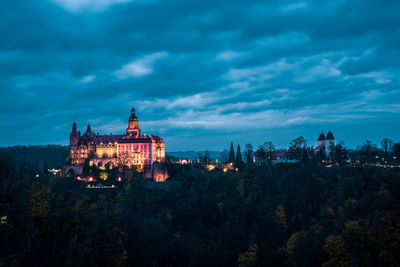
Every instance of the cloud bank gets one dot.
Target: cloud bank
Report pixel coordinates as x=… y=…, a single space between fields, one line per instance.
x=200 y=74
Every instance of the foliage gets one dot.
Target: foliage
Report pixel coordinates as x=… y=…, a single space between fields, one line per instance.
x=285 y=215
x=297 y=146
x=238 y=160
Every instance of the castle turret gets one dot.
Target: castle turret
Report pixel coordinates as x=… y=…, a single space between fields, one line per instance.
x=73 y=144
x=330 y=141
x=133 y=124
x=321 y=141
x=330 y=136
x=88 y=129
x=74 y=136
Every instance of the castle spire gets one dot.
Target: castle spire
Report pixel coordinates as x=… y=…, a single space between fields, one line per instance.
x=330 y=136
x=88 y=129
x=74 y=133
x=133 y=124
x=133 y=114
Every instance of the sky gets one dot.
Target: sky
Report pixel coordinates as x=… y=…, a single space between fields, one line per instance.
x=200 y=74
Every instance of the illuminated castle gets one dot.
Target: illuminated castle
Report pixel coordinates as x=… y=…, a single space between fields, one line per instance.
x=130 y=149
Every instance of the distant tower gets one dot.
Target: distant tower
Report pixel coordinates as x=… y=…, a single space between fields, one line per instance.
x=73 y=144
x=321 y=141
x=74 y=136
x=329 y=141
x=133 y=124
x=88 y=129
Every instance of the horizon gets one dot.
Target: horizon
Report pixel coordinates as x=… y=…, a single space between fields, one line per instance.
x=200 y=75
x=255 y=147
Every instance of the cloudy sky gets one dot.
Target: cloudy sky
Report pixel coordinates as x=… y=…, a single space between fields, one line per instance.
x=200 y=73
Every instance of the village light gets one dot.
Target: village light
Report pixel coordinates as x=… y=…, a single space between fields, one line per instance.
x=91 y=179
x=37 y=175
x=119 y=179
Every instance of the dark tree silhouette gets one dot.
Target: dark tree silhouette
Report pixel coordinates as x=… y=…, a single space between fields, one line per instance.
x=231 y=158
x=248 y=150
x=387 y=145
x=238 y=160
x=302 y=214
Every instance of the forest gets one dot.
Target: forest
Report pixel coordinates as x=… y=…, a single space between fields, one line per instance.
x=285 y=215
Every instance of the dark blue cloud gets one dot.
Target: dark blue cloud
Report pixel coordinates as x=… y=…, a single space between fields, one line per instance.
x=200 y=73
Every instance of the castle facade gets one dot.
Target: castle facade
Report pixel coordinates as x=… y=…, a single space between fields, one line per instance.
x=130 y=149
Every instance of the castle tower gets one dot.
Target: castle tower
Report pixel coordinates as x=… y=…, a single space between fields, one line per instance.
x=321 y=141
x=133 y=124
x=74 y=136
x=329 y=141
x=73 y=144
x=88 y=129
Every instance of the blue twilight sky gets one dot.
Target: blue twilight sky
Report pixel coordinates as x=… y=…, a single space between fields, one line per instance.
x=200 y=73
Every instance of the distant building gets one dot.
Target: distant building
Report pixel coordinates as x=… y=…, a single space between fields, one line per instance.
x=325 y=143
x=261 y=157
x=130 y=149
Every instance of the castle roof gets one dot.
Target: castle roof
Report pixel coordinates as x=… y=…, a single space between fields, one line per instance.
x=321 y=137
x=74 y=132
x=133 y=115
x=330 y=136
x=140 y=139
x=108 y=138
x=90 y=137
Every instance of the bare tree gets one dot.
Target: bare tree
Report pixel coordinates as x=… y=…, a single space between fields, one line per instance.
x=269 y=146
x=297 y=145
x=368 y=146
x=368 y=150
x=248 y=150
x=387 y=144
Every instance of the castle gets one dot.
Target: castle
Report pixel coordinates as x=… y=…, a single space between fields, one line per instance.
x=130 y=149
x=325 y=143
